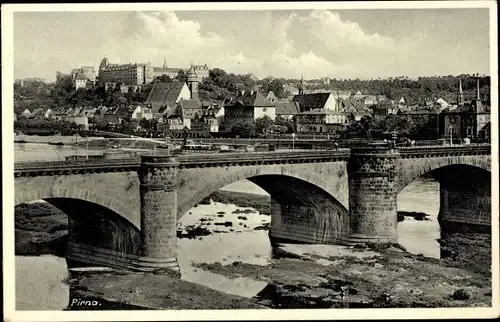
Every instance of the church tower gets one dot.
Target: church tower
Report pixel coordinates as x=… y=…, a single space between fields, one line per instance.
x=301 y=88
x=460 y=94
x=193 y=81
x=478 y=94
x=165 y=62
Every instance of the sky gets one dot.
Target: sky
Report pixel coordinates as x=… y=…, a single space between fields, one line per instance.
x=358 y=43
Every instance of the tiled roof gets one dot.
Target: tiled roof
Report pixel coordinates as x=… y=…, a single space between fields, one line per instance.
x=323 y=112
x=189 y=108
x=286 y=108
x=255 y=99
x=163 y=94
x=314 y=101
x=351 y=105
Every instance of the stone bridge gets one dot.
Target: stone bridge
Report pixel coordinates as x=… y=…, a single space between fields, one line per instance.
x=124 y=213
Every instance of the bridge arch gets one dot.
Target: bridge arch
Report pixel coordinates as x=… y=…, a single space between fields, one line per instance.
x=336 y=186
x=413 y=169
x=31 y=189
x=305 y=207
x=92 y=229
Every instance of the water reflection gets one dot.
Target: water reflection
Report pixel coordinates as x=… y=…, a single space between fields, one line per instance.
x=420 y=237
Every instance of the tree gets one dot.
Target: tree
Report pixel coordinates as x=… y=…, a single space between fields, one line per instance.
x=263 y=124
x=276 y=86
x=181 y=77
x=163 y=79
x=284 y=122
x=243 y=129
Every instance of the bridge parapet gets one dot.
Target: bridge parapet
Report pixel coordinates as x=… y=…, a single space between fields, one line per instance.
x=50 y=168
x=444 y=150
x=262 y=158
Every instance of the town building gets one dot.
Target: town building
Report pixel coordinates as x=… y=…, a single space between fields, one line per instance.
x=189 y=110
x=193 y=81
x=271 y=97
x=324 y=121
x=201 y=71
x=246 y=108
x=341 y=95
x=316 y=102
x=286 y=109
x=129 y=74
x=173 y=73
x=164 y=97
x=353 y=109
x=216 y=111
x=358 y=96
x=470 y=120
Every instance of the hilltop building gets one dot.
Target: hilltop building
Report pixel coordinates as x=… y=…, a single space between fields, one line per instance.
x=129 y=74
x=141 y=73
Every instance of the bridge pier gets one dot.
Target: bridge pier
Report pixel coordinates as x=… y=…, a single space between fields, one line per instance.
x=158 y=183
x=373 y=188
x=465 y=197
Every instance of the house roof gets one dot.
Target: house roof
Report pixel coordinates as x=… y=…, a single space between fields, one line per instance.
x=255 y=99
x=290 y=89
x=286 y=108
x=187 y=109
x=323 y=112
x=314 y=101
x=165 y=70
x=164 y=94
x=351 y=105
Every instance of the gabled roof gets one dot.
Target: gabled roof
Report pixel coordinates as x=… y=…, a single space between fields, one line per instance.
x=286 y=108
x=351 y=106
x=187 y=109
x=255 y=99
x=163 y=94
x=314 y=101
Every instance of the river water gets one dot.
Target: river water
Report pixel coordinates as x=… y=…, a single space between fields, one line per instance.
x=39 y=279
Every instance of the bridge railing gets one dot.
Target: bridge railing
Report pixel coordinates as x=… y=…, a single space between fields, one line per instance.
x=481 y=148
x=271 y=155
x=54 y=165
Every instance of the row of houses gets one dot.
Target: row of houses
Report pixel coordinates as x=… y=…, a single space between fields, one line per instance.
x=176 y=106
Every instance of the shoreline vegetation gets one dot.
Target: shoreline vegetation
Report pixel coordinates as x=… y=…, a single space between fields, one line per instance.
x=295 y=280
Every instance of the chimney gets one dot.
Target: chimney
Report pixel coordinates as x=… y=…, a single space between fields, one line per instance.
x=251 y=92
x=242 y=92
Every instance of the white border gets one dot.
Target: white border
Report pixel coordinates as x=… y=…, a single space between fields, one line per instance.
x=299 y=314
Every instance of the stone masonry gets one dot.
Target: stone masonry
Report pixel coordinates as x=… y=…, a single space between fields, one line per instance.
x=347 y=196
x=373 y=187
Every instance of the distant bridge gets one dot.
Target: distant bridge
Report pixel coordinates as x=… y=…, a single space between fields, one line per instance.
x=124 y=212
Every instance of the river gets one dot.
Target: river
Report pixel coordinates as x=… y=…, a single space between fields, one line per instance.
x=40 y=279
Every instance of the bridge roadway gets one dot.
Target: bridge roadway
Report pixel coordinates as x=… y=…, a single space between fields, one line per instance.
x=125 y=164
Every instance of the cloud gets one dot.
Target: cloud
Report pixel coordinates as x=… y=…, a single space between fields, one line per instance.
x=286 y=44
x=153 y=36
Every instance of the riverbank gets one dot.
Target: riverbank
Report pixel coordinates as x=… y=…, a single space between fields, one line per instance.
x=116 y=291
x=348 y=277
